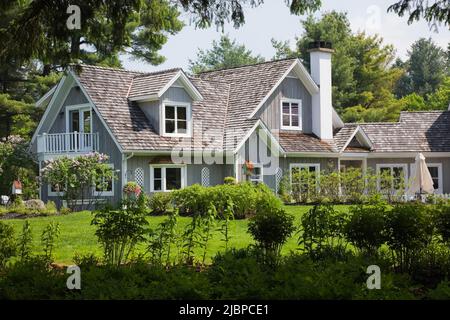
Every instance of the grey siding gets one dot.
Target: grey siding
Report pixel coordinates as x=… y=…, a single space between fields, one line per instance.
x=372 y=163
x=151 y=110
x=176 y=94
x=217 y=172
x=106 y=142
x=293 y=89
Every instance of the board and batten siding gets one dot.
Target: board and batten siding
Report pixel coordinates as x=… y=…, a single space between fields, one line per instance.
x=217 y=172
x=106 y=143
x=152 y=109
x=290 y=88
x=372 y=163
x=74 y=97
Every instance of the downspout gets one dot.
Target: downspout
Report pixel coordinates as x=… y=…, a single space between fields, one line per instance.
x=124 y=169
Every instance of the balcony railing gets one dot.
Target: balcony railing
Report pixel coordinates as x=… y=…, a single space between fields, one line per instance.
x=67 y=142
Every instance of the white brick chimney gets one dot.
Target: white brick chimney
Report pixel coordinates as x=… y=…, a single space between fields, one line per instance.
x=322 y=109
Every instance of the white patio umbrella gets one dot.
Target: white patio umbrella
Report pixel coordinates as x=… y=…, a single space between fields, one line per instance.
x=421 y=181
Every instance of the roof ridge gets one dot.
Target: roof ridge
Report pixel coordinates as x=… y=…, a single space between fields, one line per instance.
x=247 y=65
x=145 y=74
x=425 y=111
x=83 y=65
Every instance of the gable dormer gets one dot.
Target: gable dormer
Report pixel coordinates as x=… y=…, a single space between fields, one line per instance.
x=166 y=99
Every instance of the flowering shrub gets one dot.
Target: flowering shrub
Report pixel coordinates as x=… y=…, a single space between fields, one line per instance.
x=76 y=178
x=16 y=164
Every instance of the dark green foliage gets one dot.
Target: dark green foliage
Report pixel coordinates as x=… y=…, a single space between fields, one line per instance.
x=366 y=228
x=224 y=54
x=8 y=244
x=119 y=231
x=443 y=222
x=435 y=12
x=33 y=279
x=271 y=226
x=24 y=243
x=48 y=238
x=322 y=231
x=409 y=229
x=160 y=203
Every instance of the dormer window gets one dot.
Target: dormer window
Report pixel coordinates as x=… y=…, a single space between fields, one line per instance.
x=176 y=119
x=291 y=114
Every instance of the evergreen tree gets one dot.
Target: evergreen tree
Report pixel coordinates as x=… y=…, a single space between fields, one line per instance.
x=225 y=53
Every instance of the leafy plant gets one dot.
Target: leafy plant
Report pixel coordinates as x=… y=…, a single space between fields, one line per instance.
x=271 y=227
x=207 y=224
x=366 y=227
x=227 y=217
x=48 y=238
x=8 y=245
x=119 y=231
x=322 y=228
x=229 y=180
x=160 y=203
x=409 y=229
x=24 y=242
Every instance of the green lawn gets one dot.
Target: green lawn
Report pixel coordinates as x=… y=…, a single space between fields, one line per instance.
x=77 y=234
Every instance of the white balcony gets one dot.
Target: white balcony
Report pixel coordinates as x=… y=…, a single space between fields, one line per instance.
x=73 y=142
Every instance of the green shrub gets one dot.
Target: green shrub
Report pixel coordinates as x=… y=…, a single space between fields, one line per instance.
x=366 y=227
x=196 y=199
x=441 y=292
x=229 y=180
x=50 y=208
x=271 y=226
x=160 y=203
x=323 y=230
x=191 y=200
x=119 y=231
x=443 y=222
x=237 y=274
x=33 y=279
x=8 y=246
x=409 y=229
x=65 y=211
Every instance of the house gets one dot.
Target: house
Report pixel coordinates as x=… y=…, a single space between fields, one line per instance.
x=166 y=130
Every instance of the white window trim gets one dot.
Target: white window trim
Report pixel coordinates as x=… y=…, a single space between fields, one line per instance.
x=440 y=190
x=261 y=175
x=300 y=114
x=304 y=165
x=105 y=193
x=79 y=107
x=51 y=193
x=163 y=176
x=391 y=166
x=188 y=118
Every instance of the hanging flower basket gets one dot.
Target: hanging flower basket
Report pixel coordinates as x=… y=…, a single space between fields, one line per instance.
x=248 y=168
x=132 y=190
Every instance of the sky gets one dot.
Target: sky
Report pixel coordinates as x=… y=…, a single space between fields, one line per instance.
x=273 y=20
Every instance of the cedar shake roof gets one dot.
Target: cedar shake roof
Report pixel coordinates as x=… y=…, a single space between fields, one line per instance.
x=220 y=119
x=423 y=131
x=249 y=85
x=151 y=84
x=302 y=142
